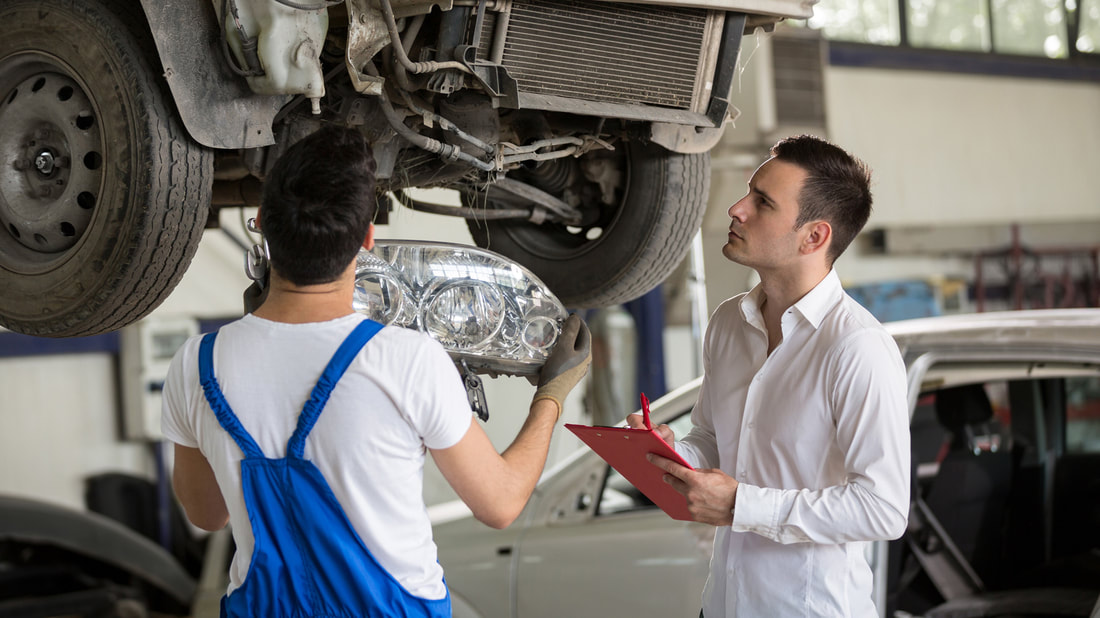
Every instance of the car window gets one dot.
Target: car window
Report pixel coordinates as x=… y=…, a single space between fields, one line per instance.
x=1006 y=462
x=1083 y=415
x=619 y=495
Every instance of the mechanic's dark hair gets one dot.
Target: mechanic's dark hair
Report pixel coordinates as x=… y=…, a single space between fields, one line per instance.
x=318 y=202
x=837 y=187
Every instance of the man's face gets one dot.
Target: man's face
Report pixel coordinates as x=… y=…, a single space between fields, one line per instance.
x=762 y=230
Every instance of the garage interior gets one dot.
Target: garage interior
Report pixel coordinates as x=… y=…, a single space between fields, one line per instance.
x=984 y=161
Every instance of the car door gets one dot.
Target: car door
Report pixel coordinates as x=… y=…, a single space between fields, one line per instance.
x=600 y=548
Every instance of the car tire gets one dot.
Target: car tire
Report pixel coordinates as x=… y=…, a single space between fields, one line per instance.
x=640 y=241
x=103 y=195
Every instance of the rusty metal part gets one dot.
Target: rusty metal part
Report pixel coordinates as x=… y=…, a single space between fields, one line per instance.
x=247 y=191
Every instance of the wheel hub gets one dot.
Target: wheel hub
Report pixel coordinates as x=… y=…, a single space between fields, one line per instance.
x=44 y=162
x=50 y=161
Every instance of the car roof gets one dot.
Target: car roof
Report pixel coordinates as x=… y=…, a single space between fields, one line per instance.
x=1069 y=330
x=1073 y=332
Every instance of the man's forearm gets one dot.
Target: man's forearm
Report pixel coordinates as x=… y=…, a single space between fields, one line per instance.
x=495 y=485
x=197 y=489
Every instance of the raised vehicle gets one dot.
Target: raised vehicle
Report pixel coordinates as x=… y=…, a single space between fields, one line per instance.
x=577 y=132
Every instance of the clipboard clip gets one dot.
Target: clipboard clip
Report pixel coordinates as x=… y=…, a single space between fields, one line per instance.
x=645 y=412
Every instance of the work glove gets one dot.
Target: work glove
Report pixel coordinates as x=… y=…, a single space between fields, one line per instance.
x=567 y=363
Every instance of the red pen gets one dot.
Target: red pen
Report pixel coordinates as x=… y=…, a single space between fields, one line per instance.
x=645 y=412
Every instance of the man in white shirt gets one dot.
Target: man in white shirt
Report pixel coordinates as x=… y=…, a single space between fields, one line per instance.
x=801 y=432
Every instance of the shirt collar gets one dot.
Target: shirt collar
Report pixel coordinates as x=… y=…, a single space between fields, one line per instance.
x=812 y=307
x=823 y=297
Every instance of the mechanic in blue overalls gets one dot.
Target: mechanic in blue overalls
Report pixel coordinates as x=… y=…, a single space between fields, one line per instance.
x=305 y=425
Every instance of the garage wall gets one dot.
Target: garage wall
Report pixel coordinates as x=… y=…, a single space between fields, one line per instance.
x=58 y=426
x=958 y=149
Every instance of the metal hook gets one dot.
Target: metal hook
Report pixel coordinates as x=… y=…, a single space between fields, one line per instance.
x=475 y=391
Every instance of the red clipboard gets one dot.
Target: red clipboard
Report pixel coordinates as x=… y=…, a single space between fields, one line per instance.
x=625 y=448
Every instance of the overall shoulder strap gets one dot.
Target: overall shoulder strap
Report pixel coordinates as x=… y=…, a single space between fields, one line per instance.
x=214 y=397
x=347 y=352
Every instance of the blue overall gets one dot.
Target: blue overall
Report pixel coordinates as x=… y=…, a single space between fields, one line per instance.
x=308 y=560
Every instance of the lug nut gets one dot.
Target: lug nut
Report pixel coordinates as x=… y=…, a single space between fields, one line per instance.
x=44 y=162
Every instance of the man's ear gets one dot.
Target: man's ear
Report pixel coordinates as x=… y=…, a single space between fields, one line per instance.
x=818 y=236
x=368 y=242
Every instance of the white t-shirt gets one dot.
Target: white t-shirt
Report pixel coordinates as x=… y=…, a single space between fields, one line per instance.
x=399 y=397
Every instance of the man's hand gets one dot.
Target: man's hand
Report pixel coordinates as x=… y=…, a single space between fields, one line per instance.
x=638 y=422
x=710 y=493
x=567 y=363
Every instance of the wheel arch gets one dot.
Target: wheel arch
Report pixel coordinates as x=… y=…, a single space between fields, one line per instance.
x=216 y=106
x=96 y=537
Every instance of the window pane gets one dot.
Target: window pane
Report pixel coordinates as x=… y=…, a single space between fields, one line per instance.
x=1083 y=415
x=1088 y=38
x=862 y=21
x=949 y=24
x=1032 y=27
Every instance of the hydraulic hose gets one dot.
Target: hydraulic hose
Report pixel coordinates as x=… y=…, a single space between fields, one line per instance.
x=403 y=57
x=434 y=146
x=447 y=125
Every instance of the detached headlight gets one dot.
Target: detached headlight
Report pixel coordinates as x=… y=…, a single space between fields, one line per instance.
x=486 y=310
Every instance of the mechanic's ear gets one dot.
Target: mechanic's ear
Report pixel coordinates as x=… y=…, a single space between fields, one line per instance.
x=368 y=242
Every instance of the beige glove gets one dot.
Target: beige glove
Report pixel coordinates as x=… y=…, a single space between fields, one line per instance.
x=567 y=363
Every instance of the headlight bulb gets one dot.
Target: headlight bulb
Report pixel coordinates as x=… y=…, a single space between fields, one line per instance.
x=465 y=314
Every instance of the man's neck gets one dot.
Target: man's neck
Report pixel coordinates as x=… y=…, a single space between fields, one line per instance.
x=781 y=292
x=295 y=304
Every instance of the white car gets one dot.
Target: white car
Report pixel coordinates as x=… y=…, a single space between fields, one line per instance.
x=1005 y=520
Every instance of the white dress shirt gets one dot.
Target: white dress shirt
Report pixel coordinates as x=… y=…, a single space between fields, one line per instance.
x=817 y=434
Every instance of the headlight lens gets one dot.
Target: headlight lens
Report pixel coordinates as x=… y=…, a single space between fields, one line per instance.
x=486 y=310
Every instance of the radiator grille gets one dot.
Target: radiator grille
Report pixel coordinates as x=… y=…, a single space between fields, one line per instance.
x=596 y=51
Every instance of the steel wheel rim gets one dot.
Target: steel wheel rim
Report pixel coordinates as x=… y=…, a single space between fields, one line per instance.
x=52 y=159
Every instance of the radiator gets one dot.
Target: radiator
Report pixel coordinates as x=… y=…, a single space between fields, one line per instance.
x=609 y=52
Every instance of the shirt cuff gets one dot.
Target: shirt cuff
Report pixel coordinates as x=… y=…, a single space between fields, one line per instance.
x=756 y=510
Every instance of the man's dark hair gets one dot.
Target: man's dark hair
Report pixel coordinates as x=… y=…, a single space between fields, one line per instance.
x=837 y=187
x=318 y=202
